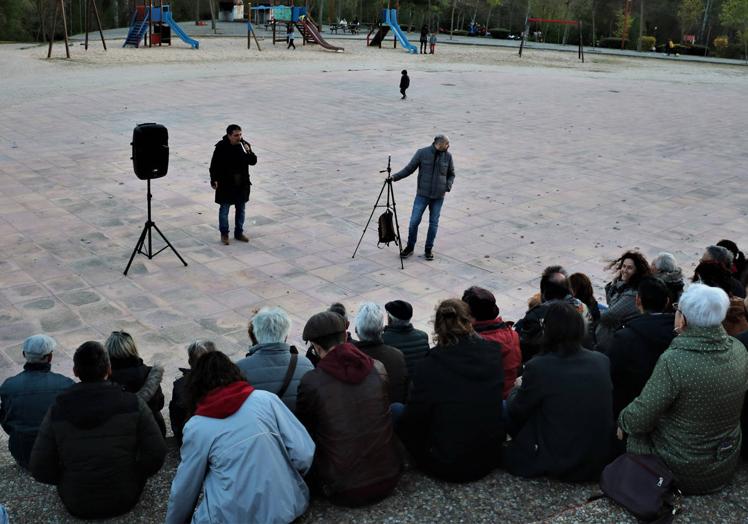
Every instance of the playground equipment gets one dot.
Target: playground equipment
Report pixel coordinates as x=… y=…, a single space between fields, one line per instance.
x=298 y=16
x=60 y=8
x=389 y=21
x=577 y=23
x=155 y=24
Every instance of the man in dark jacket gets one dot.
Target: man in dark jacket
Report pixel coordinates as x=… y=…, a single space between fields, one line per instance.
x=26 y=397
x=637 y=346
x=343 y=404
x=97 y=443
x=400 y=333
x=436 y=174
x=229 y=176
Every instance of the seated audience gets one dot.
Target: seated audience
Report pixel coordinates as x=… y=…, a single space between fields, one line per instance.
x=26 y=397
x=629 y=269
x=560 y=414
x=637 y=346
x=344 y=405
x=338 y=308
x=243 y=449
x=400 y=333
x=453 y=424
x=272 y=365
x=369 y=329
x=488 y=324
x=688 y=413
x=581 y=289
x=720 y=276
x=98 y=444
x=665 y=267
x=739 y=264
x=129 y=372
x=178 y=412
x=554 y=286
x=736 y=320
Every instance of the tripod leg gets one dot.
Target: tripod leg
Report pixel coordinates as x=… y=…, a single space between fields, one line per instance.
x=376 y=204
x=168 y=243
x=138 y=246
x=397 y=224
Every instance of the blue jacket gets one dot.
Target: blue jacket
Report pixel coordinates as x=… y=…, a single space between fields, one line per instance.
x=265 y=368
x=24 y=400
x=249 y=466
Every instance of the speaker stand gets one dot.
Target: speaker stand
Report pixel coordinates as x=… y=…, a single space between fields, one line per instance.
x=149 y=225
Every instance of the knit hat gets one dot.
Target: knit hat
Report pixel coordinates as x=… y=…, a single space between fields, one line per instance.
x=322 y=324
x=482 y=303
x=399 y=309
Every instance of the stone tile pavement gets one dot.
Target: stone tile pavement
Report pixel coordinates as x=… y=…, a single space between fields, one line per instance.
x=567 y=165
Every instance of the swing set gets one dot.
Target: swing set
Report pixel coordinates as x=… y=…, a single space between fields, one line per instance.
x=577 y=23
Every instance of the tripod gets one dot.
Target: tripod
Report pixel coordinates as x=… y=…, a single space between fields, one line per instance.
x=150 y=224
x=390 y=207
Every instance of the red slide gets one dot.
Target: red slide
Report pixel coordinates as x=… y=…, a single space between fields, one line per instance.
x=313 y=34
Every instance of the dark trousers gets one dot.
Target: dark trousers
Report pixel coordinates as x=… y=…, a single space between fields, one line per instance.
x=290 y=44
x=402 y=91
x=423 y=47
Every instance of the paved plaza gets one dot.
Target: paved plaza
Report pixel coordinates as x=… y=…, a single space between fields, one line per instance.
x=556 y=162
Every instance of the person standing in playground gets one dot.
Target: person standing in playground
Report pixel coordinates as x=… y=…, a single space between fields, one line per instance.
x=289 y=36
x=404 y=84
x=436 y=174
x=432 y=42
x=229 y=176
x=424 y=38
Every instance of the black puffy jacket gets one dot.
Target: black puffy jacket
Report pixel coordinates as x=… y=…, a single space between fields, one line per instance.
x=229 y=167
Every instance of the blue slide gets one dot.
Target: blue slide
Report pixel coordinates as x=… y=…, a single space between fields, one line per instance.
x=391 y=19
x=179 y=31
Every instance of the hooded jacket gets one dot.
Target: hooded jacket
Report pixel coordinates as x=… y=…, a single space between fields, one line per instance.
x=634 y=353
x=24 y=400
x=688 y=413
x=436 y=172
x=247 y=452
x=501 y=332
x=98 y=444
x=229 y=167
x=343 y=403
x=453 y=423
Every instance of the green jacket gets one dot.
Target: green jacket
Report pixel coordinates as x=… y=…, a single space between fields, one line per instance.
x=688 y=413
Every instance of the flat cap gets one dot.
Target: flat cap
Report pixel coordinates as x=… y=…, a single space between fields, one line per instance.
x=322 y=324
x=399 y=309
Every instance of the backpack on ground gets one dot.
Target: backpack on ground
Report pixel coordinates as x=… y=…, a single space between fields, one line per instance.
x=387 y=232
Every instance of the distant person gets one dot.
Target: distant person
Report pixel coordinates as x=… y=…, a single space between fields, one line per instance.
x=290 y=36
x=178 y=410
x=404 y=84
x=344 y=405
x=670 y=47
x=271 y=364
x=26 y=397
x=436 y=174
x=432 y=42
x=98 y=444
x=129 y=371
x=243 y=449
x=229 y=177
x=424 y=38
x=400 y=333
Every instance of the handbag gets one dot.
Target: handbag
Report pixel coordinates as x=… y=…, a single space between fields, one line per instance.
x=643 y=485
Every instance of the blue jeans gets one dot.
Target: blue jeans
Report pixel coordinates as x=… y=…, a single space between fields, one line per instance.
x=419 y=207
x=223 y=219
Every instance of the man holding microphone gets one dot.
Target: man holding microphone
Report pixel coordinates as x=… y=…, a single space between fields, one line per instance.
x=229 y=176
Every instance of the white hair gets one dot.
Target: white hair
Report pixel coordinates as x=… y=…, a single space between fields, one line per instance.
x=665 y=263
x=369 y=321
x=704 y=306
x=197 y=349
x=37 y=347
x=271 y=325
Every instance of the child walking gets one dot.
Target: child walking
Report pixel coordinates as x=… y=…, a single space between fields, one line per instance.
x=404 y=84
x=289 y=36
x=432 y=43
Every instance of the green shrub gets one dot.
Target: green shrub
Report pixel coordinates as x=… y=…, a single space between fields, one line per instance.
x=500 y=32
x=648 y=43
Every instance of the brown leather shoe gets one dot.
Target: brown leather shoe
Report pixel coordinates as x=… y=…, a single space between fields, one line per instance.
x=225 y=240
x=242 y=237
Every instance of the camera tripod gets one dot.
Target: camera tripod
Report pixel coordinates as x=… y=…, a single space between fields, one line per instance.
x=389 y=207
x=149 y=225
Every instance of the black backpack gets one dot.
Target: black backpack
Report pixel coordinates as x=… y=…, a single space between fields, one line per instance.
x=387 y=229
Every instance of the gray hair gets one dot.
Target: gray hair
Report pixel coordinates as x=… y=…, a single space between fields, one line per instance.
x=271 y=325
x=704 y=306
x=369 y=322
x=197 y=349
x=665 y=263
x=721 y=255
x=396 y=322
x=37 y=347
x=441 y=139
x=121 y=345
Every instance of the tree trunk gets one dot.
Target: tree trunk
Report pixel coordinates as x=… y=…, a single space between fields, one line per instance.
x=707 y=8
x=566 y=27
x=428 y=16
x=488 y=17
x=594 y=34
x=641 y=25
x=452 y=22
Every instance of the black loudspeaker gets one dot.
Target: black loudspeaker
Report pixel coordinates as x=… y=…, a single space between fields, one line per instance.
x=150 y=151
